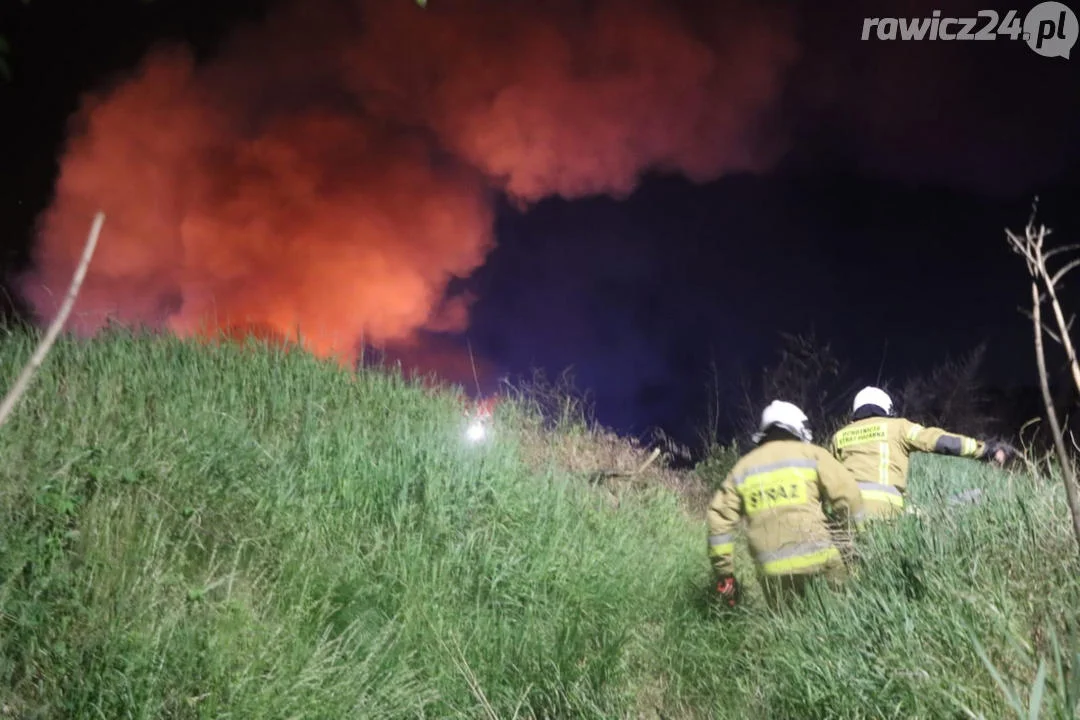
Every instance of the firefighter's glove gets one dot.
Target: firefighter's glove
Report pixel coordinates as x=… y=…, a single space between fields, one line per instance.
x=727 y=590
x=998 y=452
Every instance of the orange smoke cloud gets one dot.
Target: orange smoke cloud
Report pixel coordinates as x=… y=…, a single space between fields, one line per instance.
x=330 y=172
x=551 y=98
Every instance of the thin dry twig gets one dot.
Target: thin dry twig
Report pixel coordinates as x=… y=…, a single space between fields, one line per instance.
x=1031 y=247
x=31 y=367
x=1053 y=335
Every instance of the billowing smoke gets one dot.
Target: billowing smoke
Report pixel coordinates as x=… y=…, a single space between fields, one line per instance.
x=331 y=171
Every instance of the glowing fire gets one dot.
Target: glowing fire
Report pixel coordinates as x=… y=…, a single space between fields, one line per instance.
x=318 y=180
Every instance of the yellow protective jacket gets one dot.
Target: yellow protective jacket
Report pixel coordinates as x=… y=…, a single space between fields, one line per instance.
x=876 y=450
x=778 y=488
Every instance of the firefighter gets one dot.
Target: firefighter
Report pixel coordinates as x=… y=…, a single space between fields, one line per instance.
x=876 y=445
x=778 y=488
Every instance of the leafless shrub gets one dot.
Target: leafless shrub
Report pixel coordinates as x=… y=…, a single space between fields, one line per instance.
x=557 y=404
x=1044 y=290
x=950 y=396
x=808 y=373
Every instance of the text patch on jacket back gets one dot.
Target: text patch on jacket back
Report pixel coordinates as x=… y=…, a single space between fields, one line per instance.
x=859 y=435
x=776 y=488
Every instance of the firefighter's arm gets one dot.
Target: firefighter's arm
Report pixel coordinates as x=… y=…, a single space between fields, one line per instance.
x=723 y=517
x=838 y=485
x=942 y=442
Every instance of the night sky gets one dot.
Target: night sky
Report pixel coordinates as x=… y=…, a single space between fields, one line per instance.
x=874 y=217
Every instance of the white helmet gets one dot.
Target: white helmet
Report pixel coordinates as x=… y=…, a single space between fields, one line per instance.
x=787 y=416
x=873 y=396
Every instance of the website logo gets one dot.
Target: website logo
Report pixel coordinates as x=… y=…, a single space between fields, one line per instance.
x=1050 y=28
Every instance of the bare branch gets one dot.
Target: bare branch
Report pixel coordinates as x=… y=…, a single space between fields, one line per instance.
x=1058 y=250
x=1034 y=211
x=1039 y=272
x=1062 y=272
x=1066 y=341
x=1048 y=331
x=1020 y=247
x=46 y=343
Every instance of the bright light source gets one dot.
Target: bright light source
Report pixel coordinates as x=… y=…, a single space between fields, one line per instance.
x=476 y=432
x=479 y=420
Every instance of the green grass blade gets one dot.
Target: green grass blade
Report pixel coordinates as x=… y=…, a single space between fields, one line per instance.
x=1036 y=700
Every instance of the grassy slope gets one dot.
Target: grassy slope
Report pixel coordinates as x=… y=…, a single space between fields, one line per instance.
x=219 y=532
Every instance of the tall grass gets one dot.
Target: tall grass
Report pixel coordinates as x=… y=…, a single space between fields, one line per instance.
x=192 y=531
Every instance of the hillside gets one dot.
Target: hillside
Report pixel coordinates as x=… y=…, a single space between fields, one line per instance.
x=198 y=531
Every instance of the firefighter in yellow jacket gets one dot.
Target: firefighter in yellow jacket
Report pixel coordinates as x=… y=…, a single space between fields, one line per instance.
x=876 y=447
x=778 y=487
